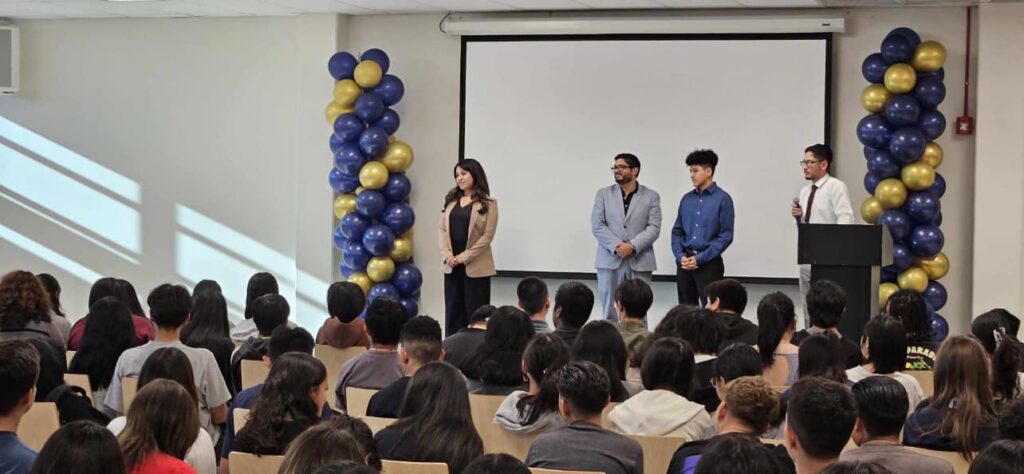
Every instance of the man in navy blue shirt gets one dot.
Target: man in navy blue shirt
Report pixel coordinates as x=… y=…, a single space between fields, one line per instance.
x=19 y=371
x=703 y=230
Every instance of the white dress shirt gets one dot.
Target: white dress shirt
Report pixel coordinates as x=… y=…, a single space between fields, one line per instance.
x=831 y=202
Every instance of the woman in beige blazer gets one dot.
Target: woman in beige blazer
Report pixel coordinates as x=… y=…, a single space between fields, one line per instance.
x=468 y=221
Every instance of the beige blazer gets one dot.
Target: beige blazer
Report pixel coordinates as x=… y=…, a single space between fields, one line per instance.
x=477 y=258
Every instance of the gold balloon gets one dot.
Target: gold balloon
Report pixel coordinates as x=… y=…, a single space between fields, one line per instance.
x=363 y=280
x=403 y=248
x=885 y=290
x=874 y=97
x=399 y=156
x=918 y=176
x=368 y=73
x=900 y=78
x=346 y=91
x=391 y=139
x=344 y=204
x=359 y=190
x=913 y=278
x=334 y=109
x=929 y=56
x=932 y=154
x=870 y=209
x=373 y=175
x=891 y=193
x=380 y=269
x=936 y=267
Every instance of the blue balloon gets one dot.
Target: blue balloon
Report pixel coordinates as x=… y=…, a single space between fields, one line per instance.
x=881 y=164
x=939 y=186
x=929 y=92
x=897 y=222
x=412 y=308
x=907 y=33
x=370 y=203
x=349 y=159
x=873 y=68
x=379 y=240
x=342 y=183
x=937 y=221
x=872 y=131
x=399 y=217
x=902 y=110
x=407 y=278
x=888 y=274
x=901 y=257
x=382 y=289
x=940 y=328
x=369 y=107
x=373 y=141
x=353 y=225
x=907 y=144
x=897 y=49
x=390 y=89
x=871 y=182
x=339 y=239
x=377 y=56
x=940 y=74
x=348 y=127
x=935 y=294
x=398 y=187
x=932 y=124
x=355 y=255
x=926 y=240
x=922 y=207
x=342 y=65
x=345 y=270
x=388 y=121
x=335 y=143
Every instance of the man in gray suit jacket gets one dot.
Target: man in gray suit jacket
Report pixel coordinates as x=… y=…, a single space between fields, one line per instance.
x=626 y=221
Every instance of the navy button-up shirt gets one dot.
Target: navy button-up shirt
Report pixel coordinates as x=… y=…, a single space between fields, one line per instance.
x=704 y=224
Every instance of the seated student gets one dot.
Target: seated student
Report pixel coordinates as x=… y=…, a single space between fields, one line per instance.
x=635 y=356
x=268 y=312
x=25 y=310
x=583 y=445
x=496 y=463
x=700 y=328
x=600 y=343
x=820 y=418
x=260 y=284
x=169 y=306
x=496 y=368
x=573 y=303
x=632 y=300
x=533 y=298
x=131 y=298
x=320 y=445
x=379 y=366
x=855 y=467
x=961 y=415
x=346 y=467
x=728 y=298
x=110 y=334
x=884 y=346
x=344 y=328
x=459 y=348
x=57 y=317
x=662 y=409
x=826 y=303
x=822 y=355
x=208 y=328
x=19 y=370
x=434 y=423
x=910 y=308
x=881 y=411
x=735 y=453
x=748 y=406
x=737 y=360
x=81 y=447
x=161 y=427
x=996 y=331
x=1000 y=457
x=1011 y=420
x=102 y=288
x=420 y=343
x=536 y=409
x=363 y=435
x=172 y=364
x=204 y=286
x=290 y=401
x=777 y=319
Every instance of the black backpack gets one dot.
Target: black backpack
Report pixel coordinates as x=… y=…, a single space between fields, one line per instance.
x=73 y=404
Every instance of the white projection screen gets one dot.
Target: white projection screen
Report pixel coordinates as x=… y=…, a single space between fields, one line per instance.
x=546 y=116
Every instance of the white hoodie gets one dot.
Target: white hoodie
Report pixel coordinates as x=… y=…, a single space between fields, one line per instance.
x=660 y=413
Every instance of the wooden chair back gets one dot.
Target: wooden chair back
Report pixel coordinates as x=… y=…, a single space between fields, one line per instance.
x=357 y=399
x=79 y=380
x=927 y=380
x=245 y=463
x=254 y=372
x=499 y=440
x=38 y=424
x=408 y=467
x=376 y=423
x=333 y=358
x=239 y=417
x=658 y=451
x=129 y=385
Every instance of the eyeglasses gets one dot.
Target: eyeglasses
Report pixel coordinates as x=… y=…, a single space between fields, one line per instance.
x=713 y=381
x=620 y=167
x=808 y=163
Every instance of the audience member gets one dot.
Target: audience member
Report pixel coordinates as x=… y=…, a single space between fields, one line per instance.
x=822 y=355
x=700 y=328
x=856 y=467
x=1011 y=420
x=320 y=445
x=459 y=348
x=161 y=427
x=820 y=418
x=102 y=288
x=260 y=284
x=346 y=467
x=737 y=453
x=632 y=300
x=268 y=312
x=536 y=410
x=72 y=402
x=379 y=366
x=573 y=303
x=57 y=317
x=363 y=435
x=996 y=331
x=599 y=342
x=204 y=286
x=343 y=327
x=635 y=352
x=496 y=463
x=533 y=298
x=737 y=360
x=728 y=299
x=496 y=368
x=1000 y=457
x=910 y=308
x=780 y=357
x=884 y=346
x=826 y=303
x=80 y=447
x=19 y=371
x=208 y=328
x=25 y=310
x=131 y=298
x=106 y=338
x=420 y=344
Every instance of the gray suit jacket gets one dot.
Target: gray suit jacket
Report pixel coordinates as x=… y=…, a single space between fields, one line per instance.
x=640 y=227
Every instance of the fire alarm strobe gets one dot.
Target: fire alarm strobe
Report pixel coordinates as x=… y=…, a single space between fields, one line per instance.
x=964 y=125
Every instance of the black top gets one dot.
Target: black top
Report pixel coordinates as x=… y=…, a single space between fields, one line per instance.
x=568 y=334
x=627 y=199
x=702 y=391
x=736 y=329
x=288 y=431
x=396 y=443
x=458 y=226
x=388 y=400
x=459 y=348
x=685 y=460
x=222 y=349
x=921 y=356
x=921 y=431
x=850 y=348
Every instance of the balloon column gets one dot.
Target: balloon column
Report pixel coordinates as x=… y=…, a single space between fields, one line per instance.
x=899 y=137
x=374 y=233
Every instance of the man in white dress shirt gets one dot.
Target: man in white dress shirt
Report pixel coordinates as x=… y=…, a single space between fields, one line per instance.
x=824 y=201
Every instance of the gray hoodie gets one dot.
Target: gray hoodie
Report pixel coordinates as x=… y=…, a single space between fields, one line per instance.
x=660 y=413
x=509 y=418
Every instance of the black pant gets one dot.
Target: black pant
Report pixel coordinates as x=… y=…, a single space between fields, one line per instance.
x=462 y=296
x=690 y=283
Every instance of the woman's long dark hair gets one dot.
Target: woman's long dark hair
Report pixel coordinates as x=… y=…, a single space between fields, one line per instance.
x=110 y=331
x=105 y=287
x=132 y=298
x=599 y=342
x=169 y=363
x=544 y=357
x=53 y=291
x=497 y=360
x=775 y=316
x=283 y=399
x=436 y=414
x=994 y=330
x=163 y=417
x=80 y=447
x=260 y=284
x=481 y=190
x=209 y=321
x=822 y=355
x=910 y=307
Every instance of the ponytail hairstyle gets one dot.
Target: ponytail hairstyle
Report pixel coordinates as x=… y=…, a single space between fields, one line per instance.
x=775 y=316
x=481 y=190
x=963 y=394
x=995 y=331
x=543 y=359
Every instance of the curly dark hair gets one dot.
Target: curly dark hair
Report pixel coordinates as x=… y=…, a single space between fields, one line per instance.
x=283 y=399
x=22 y=299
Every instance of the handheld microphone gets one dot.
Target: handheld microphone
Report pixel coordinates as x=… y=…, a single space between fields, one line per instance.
x=796 y=202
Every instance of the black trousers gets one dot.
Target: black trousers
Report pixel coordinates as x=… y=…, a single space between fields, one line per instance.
x=690 y=283
x=462 y=296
